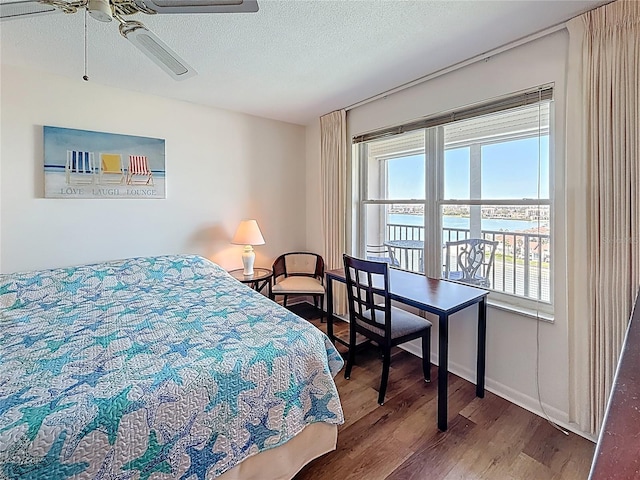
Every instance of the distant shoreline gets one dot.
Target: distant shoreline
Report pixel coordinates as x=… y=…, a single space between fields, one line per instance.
x=468 y=216
x=459 y=222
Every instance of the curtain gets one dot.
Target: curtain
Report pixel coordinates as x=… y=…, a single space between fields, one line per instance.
x=603 y=199
x=333 y=173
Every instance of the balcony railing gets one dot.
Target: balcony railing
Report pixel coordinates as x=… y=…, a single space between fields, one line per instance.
x=521 y=264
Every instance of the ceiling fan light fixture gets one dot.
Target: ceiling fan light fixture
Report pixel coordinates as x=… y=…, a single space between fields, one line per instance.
x=156 y=50
x=100 y=10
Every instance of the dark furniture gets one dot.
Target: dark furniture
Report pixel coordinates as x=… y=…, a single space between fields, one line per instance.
x=261 y=278
x=299 y=273
x=617 y=452
x=441 y=298
x=474 y=259
x=371 y=315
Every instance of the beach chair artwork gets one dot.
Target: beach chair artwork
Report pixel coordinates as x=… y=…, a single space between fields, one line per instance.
x=79 y=168
x=111 y=169
x=138 y=172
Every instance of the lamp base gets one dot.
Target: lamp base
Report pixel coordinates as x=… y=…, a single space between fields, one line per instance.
x=248 y=257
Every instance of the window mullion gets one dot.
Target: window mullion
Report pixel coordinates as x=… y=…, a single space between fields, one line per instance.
x=364 y=193
x=475 y=190
x=434 y=153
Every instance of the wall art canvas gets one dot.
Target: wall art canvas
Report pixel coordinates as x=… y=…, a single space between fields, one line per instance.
x=86 y=164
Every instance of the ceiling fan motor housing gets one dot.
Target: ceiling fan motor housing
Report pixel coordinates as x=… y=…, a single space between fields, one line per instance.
x=100 y=10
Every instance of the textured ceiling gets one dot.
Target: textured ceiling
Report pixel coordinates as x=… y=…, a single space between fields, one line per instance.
x=294 y=60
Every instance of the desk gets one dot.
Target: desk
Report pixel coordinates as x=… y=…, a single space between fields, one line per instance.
x=439 y=297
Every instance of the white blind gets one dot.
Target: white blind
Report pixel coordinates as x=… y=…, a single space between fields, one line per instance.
x=513 y=101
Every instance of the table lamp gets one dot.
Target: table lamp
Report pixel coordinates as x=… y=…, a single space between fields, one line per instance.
x=248 y=234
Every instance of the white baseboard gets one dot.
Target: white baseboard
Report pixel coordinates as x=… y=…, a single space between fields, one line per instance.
x=531 y=404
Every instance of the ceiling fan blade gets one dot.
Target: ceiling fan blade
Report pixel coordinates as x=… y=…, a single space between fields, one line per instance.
x=199 y=6
x=25 y=8
x=156 y=50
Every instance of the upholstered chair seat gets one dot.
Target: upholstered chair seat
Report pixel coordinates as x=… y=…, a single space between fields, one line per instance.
x=402 y=323
x=298 y=285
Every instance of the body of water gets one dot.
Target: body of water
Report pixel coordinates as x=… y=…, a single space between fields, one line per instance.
x=495 y=224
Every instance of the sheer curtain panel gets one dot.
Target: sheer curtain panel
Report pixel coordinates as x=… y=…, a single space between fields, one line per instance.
x=603 y=199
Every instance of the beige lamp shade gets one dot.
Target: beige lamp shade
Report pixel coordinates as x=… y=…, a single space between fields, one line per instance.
x=248 y=233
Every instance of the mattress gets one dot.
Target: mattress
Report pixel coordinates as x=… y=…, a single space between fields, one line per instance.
x=154 y=367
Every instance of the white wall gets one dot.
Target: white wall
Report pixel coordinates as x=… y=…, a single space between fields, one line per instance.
x=221 y=167
x=512 y=338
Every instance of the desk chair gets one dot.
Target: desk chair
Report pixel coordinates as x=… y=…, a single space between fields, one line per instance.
x=299 y=273
x=371 y=315
x=474 y=260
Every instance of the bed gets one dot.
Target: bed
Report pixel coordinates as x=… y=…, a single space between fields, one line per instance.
x=158 y=367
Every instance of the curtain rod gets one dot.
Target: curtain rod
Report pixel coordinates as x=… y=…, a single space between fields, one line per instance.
x=464 y=63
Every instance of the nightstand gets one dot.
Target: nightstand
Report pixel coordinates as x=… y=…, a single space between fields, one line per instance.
x=261 y=278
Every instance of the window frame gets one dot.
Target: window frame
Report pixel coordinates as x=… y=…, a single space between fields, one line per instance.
x=434 y=201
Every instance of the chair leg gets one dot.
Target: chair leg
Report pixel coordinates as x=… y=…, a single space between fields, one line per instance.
x=386 y=361
x=426 y=356
x=351 y=359
x=351 y=356
x=319 y=300
x=284 y=303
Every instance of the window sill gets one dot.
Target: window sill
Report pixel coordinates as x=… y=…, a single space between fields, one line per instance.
x=520 y=310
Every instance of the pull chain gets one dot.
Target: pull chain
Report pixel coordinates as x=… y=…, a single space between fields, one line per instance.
x=86 y=47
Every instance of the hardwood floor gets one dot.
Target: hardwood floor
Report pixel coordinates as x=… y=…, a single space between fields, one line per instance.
x=487 y=438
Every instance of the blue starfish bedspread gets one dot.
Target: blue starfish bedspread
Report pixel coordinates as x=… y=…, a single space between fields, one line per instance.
x=147 y=366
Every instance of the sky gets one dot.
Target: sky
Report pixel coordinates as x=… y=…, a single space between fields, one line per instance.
x=58 y=140
x=509 y=171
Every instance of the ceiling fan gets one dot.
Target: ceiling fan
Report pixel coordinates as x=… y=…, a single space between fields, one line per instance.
x=134 y=31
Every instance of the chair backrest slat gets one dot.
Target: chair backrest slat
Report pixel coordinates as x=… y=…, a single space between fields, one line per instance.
x=368 y=292
x=79 y=161
x=138 y=165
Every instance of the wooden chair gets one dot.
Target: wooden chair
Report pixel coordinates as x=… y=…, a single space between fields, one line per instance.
x=299 y=273
x=474 y=260
x=371 y=315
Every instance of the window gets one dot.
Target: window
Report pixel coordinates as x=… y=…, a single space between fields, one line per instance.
x=484 y=179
